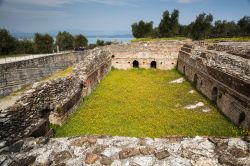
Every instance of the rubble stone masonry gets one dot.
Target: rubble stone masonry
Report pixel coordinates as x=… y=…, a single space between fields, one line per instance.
x=29 y=116
x=221 y=76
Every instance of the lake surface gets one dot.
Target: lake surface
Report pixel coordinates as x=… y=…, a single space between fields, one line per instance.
x=92 y=40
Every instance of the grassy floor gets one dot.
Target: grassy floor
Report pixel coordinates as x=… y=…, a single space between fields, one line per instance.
x=142 y=103
x=12 y=55
x=157 y=39
x=233 y=39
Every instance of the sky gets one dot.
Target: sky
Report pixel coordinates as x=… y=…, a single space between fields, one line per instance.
x=100 y=17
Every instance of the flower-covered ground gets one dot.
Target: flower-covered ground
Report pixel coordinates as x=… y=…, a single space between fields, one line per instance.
x=144 y=103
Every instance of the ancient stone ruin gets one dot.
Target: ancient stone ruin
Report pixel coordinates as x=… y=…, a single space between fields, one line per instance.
x=222 y=75
x=220 y=71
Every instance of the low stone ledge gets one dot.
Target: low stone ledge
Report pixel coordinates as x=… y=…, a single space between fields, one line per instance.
x=83 y=150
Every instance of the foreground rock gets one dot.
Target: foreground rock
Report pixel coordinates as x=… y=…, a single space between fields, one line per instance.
x=115 y=151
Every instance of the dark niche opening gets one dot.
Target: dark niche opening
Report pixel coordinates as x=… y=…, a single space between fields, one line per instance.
x=242 y=117
x=195 y=80
x=135 y=64
x=153 y=64
x=214 y=94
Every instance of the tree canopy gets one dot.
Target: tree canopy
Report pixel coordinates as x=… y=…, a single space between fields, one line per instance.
x=80 y=41
x=7 y=42
x=43 y=43
x=244 y=24
x=65 y=41
x=201 y=28
x=169 y=25
x=142 y=29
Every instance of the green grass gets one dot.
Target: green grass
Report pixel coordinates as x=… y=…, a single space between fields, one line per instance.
x=142 y=103
x=22 y=89
x=59 y=74
x=12 y=55
x=236 y=39
x=157 y=39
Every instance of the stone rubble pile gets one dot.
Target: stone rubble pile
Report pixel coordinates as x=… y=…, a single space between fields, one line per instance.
x=125 y=151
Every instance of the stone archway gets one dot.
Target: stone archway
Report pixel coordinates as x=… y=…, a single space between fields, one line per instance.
x=153 y=64
x=135 y=64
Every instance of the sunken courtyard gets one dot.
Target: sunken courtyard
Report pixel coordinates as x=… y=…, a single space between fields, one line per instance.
x=143 y=103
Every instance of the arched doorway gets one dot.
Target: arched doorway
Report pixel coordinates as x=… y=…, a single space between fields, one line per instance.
x=153 y=64
x=214 y=95
x=135 y=64
x=195 y=80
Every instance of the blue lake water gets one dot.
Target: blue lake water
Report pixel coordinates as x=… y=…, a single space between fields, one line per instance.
x=93 y=40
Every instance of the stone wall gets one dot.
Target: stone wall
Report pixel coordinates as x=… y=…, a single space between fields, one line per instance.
x=163 y=53
x=16 y=74
x=30 y=115
x=241 y=49
x=222 y=77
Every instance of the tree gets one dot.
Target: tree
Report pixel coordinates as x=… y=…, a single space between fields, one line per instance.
x=7 y=42
x=244 y=24
x=164 y=26
x=224 y=29
x=142 y=29
x=174 y=23
x=24 y=47
x=65 y=41
x=43 y=43
x=169 y=25
x=80 y=41
x=202 y=26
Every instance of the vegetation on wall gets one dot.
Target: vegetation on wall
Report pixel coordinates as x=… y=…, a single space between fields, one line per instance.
x=201 y=28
